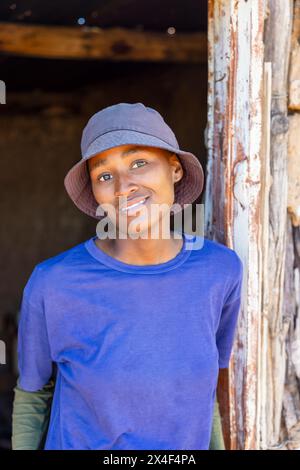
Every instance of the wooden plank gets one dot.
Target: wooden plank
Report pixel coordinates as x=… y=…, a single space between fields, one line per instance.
x=232 y=199
x=115 y=44
x=294 y=74
x=291 y=401
x=263 y=392
x=293 y=203
x=278 y=30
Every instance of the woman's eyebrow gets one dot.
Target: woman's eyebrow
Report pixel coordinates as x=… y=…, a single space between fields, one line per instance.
x=125 y=153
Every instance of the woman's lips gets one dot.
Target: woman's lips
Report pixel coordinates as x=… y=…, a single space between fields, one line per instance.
x=133 y=205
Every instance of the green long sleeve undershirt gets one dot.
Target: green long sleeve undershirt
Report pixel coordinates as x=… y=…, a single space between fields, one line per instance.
x=216 y=437
x=30 y=418
x=31 y=414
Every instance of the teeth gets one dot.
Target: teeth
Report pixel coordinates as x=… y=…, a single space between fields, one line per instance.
x=133 y=205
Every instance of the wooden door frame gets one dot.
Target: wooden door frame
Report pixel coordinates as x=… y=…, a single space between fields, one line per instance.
x=233 y=194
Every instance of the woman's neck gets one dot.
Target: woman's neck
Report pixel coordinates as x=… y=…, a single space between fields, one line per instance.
x=142 y=251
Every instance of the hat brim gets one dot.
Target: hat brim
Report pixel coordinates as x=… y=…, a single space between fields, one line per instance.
x=77 y=180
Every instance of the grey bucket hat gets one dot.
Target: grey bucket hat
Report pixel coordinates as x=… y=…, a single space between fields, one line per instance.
x=136 y=124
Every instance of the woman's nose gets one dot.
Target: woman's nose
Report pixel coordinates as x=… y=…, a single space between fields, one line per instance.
x=124 y=186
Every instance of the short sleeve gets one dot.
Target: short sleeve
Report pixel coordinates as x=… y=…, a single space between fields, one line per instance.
x=229 y=316
x=34 y=357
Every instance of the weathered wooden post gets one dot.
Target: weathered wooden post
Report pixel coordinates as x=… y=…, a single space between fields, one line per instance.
x=291 y=399
x=277 y=52
x=252 y=204
x=233 y=199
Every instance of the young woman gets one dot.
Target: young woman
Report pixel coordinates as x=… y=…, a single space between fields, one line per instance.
x=134 y=328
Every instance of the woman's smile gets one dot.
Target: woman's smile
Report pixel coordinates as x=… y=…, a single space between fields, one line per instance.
x=129 y=207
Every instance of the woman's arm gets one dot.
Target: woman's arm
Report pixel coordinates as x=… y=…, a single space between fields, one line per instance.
x=216 y=438
x=30 y=419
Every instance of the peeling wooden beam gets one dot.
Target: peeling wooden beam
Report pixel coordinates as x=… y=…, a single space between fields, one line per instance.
x=246 y=208
x=263 y=392
x=114 y=44
x=294 y=169
x=278 y=29
x=294 y=72
x=232 y=198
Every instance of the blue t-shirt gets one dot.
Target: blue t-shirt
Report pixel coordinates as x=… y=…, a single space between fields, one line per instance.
x=137 y=348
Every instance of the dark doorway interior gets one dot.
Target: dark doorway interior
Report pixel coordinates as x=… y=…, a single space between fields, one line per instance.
x=48 y=104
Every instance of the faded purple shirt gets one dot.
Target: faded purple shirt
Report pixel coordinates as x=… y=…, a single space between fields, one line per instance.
x=137 y=348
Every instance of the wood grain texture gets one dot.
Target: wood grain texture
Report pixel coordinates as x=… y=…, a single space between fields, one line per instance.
x=115 y=44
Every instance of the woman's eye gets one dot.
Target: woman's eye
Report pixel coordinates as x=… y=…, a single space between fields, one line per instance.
x=140 y=161
x=102 y=176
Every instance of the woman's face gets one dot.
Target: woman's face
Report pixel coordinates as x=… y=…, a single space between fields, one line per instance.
x=131 y=173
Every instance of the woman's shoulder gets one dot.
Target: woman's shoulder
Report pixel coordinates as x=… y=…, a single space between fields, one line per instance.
x=63 y=257
x=55 y=266
x=217 y=253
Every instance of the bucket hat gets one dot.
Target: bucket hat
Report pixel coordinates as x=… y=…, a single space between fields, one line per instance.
x=135 y=124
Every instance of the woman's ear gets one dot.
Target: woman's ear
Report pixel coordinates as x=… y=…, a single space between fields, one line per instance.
x=177 y=168
x=178 y=174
